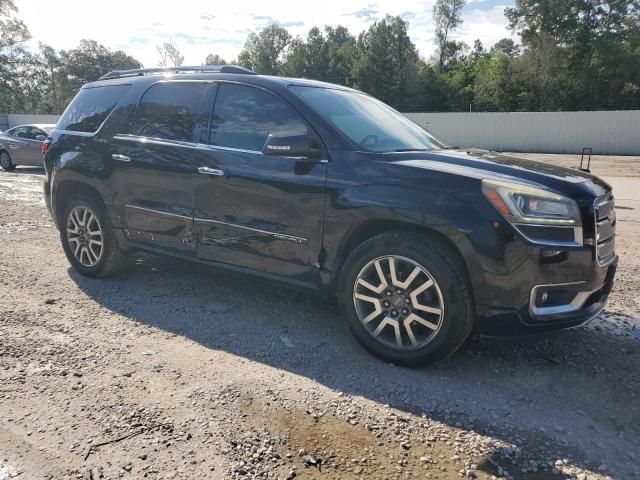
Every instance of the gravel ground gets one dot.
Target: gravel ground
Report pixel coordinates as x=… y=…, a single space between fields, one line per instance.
x=174 y=370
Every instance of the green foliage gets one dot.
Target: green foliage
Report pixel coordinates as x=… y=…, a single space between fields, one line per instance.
x=386 y=63
x=263 y=51
x=582 y=54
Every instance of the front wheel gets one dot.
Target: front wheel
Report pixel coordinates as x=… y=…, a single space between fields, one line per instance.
x=406 y=298
x=88 y=238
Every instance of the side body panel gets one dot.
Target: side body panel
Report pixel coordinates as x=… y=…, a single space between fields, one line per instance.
x=263 y=213
x=152 y=191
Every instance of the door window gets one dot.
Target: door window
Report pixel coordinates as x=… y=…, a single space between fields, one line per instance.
x=168 y=111
x=243 y=117
x=18 y=132
x=33 y=132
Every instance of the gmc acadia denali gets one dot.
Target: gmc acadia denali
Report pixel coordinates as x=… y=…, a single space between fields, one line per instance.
x=325 y=187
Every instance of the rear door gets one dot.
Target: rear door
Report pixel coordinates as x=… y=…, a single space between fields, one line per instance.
x=153 y=161
x=252 y=210
x=33 y=150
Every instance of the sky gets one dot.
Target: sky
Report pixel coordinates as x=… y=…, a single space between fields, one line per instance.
x=199 y=27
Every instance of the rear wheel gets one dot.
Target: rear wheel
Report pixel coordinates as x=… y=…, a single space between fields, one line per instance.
x=88 y=238
x=406 y=298
x=6 y=163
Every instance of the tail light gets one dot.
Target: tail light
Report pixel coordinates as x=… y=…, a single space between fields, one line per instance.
x=45 y=146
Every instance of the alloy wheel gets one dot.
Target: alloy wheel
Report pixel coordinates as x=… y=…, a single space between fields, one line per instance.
x=84 y=235
x=398 y=302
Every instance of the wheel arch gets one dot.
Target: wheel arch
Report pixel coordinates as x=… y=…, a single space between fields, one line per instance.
x=70 y=188
x=457 y=245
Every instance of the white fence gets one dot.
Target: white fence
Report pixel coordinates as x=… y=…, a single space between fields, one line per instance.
x=11 y=120
x=608 y=133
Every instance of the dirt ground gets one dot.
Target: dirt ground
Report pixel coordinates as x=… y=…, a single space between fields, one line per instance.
x=175 y=370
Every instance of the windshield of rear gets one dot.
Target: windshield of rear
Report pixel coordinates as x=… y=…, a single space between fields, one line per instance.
x=370 y=124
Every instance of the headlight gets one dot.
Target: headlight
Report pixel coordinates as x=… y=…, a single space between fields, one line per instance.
x=557 y=217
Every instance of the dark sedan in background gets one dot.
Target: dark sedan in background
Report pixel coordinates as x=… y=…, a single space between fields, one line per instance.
x=22 y=145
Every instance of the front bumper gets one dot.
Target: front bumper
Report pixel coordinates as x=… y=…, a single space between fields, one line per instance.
x=586 y=300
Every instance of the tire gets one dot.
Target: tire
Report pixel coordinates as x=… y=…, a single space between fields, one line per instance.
x=6 y=163
x=414 y=334
x=93 y=262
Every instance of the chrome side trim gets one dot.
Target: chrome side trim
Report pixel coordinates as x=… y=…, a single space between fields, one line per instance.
x=159 y=212
x=576 y=304
x=280 y=236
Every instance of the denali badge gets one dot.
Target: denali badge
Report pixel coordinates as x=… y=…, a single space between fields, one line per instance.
x=279 y=147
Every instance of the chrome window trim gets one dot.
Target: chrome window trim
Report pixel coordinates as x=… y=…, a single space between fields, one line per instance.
x=281 y=236
x=576 y=304
x=199 y=146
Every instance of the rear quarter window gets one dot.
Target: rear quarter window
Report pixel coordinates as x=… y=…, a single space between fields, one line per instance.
x=90 y=108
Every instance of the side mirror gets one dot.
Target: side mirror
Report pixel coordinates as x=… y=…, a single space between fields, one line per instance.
x=41 y=138
x=288 y=144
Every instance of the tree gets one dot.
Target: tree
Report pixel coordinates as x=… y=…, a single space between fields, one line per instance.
x=215 y=59
x=169 y=54
x=386 y=63
x=506 y=46
x=14 y=58
x=448 y=16
x=86 y=63
x=324 y=55
x=595 y=42
x=264 y=51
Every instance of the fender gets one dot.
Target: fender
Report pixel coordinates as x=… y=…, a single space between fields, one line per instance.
x=71 y=166
x=371 y=209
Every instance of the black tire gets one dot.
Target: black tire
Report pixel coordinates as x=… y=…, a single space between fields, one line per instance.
x=6 y=163
x=446 y=269
x=112 y=258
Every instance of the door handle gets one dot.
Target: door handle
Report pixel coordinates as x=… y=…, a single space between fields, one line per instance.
x=211 y=171
x=120 y=158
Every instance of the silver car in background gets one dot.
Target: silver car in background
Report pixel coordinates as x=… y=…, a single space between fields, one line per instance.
x=22 y=145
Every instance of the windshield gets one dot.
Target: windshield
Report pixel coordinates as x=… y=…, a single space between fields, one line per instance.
x=370 y=124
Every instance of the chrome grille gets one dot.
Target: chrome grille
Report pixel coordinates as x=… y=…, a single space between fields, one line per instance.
x=605 y=216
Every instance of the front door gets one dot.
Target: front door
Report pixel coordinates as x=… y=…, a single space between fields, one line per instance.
x=252 y=210
x=153 y=160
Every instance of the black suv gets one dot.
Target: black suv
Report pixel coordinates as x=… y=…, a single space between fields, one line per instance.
x=325 y=187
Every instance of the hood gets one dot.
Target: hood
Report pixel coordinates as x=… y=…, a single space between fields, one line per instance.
x=486 y=164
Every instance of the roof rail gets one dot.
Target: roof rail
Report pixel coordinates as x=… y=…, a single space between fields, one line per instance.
x=198 y=69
